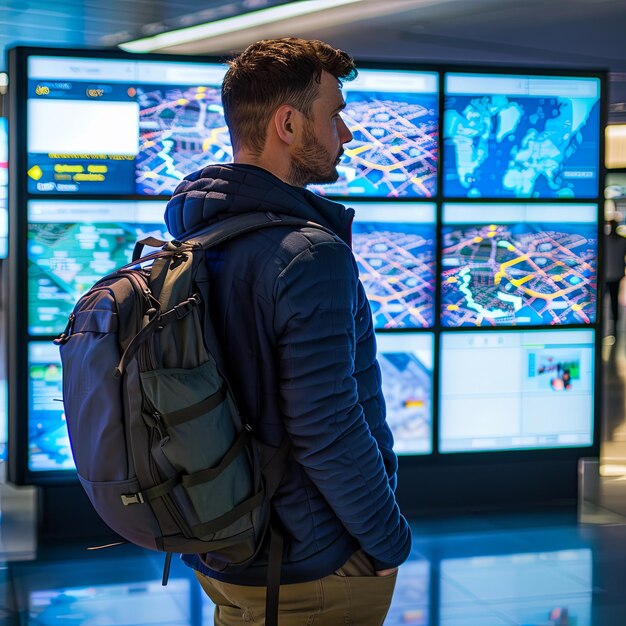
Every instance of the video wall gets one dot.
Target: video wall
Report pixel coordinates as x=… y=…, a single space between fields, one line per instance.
x=476 y=198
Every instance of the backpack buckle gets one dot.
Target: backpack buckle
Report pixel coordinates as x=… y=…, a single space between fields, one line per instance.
x=185 y=307
x=132 y=498
x=179 y=311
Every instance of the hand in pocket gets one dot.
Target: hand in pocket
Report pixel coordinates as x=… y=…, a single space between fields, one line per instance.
x=386 y=572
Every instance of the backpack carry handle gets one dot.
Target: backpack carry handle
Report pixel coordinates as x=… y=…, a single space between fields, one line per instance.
x=149 y=242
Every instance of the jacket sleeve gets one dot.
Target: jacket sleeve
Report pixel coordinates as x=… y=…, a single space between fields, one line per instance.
x=369 y=385
x=316 y=303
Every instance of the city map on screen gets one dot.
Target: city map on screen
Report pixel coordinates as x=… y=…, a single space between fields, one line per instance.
x=406 y=363
x=181 y=127
x=394 y=247
x=519 y=265
x=394 y=120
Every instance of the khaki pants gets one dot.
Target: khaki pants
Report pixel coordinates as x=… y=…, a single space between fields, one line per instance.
x=353 y=595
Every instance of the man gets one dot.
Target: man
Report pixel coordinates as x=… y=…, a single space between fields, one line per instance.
x=615 y=251
x=302 y=356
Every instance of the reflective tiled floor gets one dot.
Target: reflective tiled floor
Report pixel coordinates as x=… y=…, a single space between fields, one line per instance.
x=534 y=569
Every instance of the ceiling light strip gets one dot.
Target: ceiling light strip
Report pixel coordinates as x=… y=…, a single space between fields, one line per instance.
x=232 y=24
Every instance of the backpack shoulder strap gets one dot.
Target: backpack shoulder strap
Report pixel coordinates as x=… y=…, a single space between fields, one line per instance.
x=232 y=227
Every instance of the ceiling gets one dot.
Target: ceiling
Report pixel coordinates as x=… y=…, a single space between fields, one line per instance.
x=586 y=34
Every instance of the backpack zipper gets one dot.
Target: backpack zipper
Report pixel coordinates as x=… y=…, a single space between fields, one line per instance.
x=145 y=354
x=147 y=362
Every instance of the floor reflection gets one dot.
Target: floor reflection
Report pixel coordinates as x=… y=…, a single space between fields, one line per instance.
x=507 y=570
x=525 y=588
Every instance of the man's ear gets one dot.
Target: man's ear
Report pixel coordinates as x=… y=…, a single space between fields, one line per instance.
x=287 y=123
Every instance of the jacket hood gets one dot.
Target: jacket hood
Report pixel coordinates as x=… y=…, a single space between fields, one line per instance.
x=218 y=191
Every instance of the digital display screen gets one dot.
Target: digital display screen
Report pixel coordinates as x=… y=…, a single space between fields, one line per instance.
x=516 y=390
x=536 y=588
x=72 y=244
x=519 y=264
x=406 y=363
x=394 y=247
x=108 y=126
x=394 y=119
x=4 y=186
x=48 y=440
x=508 y=136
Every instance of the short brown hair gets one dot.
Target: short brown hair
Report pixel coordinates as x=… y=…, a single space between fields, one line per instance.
x=271 y=73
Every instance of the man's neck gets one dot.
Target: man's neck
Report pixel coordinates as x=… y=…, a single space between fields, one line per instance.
x=273 y=166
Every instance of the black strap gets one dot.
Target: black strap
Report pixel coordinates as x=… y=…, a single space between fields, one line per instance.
x=232 y=227
x=204 y=476
x=161 y=489
x=137 y=341
x=274 y=566
x=166 y=568
x=109 y=545
x=180 y=310
x=232 y=516
x=175 y=418
x=273 y=470
x=274 y=465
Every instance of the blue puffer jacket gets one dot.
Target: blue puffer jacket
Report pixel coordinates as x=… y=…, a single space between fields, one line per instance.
x=301 y=361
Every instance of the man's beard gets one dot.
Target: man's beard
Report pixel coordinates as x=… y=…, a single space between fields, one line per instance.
x=311 y=162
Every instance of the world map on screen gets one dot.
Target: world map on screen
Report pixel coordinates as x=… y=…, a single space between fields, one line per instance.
x=505 y=146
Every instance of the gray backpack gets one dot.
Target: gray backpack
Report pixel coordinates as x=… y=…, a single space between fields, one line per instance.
x=159 y=446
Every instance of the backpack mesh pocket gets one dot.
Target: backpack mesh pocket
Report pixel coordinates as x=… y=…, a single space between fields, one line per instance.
x=197 y=420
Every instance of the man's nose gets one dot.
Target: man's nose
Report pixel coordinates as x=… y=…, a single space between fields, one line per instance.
x=345 y=134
